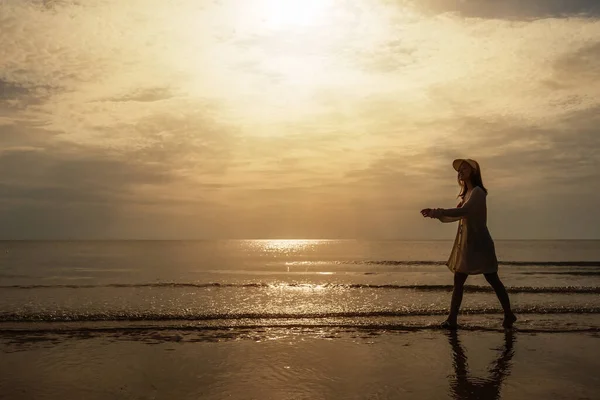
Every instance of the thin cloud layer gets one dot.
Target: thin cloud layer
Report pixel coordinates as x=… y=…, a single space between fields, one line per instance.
x=513 y=9
x=318 y=119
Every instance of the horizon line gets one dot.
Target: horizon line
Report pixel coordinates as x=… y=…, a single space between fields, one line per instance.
x=266 y=239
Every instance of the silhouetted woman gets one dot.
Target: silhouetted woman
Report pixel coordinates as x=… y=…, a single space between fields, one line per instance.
x=473 y=251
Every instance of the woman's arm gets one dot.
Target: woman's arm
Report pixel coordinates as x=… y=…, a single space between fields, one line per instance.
x=449 y=219
x=454 y=214
x=445 y=219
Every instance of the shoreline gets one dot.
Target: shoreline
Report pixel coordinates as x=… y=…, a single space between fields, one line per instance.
x=487 y=322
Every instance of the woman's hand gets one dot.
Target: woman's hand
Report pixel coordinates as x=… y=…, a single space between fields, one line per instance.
x=431 y=213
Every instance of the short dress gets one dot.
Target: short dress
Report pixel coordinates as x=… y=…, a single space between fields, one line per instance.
x=473 y=251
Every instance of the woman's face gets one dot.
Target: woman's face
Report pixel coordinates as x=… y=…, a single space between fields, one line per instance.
x=464 y=171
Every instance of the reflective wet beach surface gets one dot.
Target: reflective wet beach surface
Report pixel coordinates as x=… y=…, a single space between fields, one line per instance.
x=299 y=363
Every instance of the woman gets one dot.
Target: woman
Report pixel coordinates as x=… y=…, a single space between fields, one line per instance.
x=473 y=251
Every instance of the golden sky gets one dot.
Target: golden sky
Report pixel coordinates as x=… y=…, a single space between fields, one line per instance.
x=296 y=118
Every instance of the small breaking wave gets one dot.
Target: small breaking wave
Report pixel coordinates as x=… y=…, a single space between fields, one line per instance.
x=217 y=333
x=434 y=262
x=184 y=315
x=264 y=285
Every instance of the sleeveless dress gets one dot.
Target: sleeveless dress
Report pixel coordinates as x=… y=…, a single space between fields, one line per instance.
x=473 y=251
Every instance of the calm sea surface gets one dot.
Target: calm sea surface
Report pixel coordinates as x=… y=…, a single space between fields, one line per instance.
x=252 y=284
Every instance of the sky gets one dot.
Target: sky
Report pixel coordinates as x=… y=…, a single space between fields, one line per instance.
x=197 y=119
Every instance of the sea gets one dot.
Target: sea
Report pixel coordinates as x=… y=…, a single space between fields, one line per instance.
x=232 y=287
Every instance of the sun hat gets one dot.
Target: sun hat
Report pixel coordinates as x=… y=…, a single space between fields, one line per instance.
x=474 y=164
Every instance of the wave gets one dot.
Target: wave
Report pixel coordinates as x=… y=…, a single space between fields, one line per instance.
x=445 y=288
x=212 y=333
x=116 y=316
x=429 y=262
x=573 y=273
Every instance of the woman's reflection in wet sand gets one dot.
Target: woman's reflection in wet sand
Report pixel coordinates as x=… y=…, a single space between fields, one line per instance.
x=463 y=386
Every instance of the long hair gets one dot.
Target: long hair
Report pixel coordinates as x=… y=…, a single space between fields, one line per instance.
x=476 y=180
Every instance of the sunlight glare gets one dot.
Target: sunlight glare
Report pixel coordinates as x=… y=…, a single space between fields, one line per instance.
x=289 y=14
x=289 y=245
x=298 y=287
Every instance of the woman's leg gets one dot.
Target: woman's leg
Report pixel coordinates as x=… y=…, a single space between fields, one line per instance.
x=457 y=295
x=496 y=283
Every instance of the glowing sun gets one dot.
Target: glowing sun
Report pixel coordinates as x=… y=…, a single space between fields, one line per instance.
x=282 y=14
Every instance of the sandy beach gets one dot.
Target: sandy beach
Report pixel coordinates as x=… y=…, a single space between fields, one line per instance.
x=299 y=363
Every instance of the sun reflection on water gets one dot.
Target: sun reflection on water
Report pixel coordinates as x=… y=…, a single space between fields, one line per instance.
x=285 y=246
x=295 y=255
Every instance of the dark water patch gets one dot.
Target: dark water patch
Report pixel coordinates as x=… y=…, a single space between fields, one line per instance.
x=4 y=275
x=137 y=285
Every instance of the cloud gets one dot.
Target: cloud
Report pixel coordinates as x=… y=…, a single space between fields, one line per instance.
x=145 y=95
x=59 y=189
x=512 y=9
x=10 y=90
x=576 y=68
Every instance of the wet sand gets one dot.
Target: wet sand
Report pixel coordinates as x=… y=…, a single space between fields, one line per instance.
x=299 y=363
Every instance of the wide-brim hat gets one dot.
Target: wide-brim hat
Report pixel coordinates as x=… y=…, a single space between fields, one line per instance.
x=456 y=163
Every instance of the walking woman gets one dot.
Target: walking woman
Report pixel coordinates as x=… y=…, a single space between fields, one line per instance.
x=473 y=251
